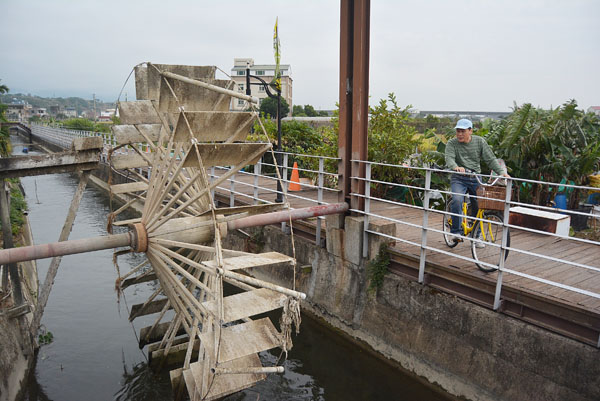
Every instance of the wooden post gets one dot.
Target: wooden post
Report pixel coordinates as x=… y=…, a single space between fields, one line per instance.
x=53 y=269
x=8 y=243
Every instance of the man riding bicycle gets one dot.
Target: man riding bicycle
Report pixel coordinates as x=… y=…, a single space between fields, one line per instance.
x=464 y=154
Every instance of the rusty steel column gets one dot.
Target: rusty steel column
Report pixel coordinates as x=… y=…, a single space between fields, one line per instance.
x=345 y=99
x=360 y=97
x=354 y=97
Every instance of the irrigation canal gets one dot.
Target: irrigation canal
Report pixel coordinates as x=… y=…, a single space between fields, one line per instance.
x=94 y=354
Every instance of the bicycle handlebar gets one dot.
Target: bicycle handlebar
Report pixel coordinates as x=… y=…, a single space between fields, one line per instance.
x=468 y=172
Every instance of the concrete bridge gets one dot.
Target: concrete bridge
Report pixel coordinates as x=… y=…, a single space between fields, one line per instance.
x=528 y=330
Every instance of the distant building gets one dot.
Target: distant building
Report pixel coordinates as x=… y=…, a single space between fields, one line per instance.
x=70 y=112
x=39 y=112
x=264 y=71
x=54 y=110
x=594 y=109
x=16 y=112
x=315 y=122
x=106 y=115
x=471 y=115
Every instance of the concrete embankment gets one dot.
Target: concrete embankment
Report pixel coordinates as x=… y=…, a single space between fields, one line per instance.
x=17 y=345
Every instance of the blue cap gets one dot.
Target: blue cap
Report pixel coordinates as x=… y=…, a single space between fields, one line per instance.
x=463 y=123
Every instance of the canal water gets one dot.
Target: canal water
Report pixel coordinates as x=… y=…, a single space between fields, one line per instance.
x=94 y=354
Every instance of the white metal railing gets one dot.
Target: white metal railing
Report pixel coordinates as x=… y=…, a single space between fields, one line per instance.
x=247 y=186
x=270 y=194
x=425 y=227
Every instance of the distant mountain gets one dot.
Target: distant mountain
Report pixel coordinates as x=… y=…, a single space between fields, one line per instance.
x=45 y=102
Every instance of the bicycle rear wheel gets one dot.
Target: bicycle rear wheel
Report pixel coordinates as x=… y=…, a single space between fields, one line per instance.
x=491 y=236
x=447 y=226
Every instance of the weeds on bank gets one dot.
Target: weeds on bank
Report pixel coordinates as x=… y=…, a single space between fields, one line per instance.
x=18 y=206
x=377 y=269
x=45 y=337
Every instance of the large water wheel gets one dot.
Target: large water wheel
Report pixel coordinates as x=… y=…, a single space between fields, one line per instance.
x=175 y=131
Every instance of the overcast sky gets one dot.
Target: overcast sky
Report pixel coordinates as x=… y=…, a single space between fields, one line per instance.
x=433 y=54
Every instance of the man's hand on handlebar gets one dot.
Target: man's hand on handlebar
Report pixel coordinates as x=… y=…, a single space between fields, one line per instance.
x=459 y=169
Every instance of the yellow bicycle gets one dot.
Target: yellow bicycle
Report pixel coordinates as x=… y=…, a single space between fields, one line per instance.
x=484 y=229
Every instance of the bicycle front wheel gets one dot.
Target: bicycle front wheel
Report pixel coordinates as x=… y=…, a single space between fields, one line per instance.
x=447 y=226
x=487 y=250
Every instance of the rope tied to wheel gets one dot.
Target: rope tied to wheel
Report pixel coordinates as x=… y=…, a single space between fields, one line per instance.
x=290 y=315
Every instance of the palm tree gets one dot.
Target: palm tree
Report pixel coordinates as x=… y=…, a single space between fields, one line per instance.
x=548 y=145
x=4 y=135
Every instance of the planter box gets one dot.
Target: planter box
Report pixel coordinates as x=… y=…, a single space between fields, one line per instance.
x=541 y=220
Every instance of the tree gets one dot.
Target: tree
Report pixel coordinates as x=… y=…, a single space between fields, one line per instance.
x=298 y=111
x=310 y=111
x=269 y=107
x=5 y=148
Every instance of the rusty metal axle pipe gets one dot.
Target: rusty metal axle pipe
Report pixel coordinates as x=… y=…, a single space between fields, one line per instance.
x=285 y=215
x=137 y=238
x=71 y=247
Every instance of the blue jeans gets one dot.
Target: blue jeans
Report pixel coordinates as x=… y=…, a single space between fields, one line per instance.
x=461 y=184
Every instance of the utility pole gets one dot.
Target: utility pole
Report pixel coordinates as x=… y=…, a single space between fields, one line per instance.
x=94 y=97
x=279 y=197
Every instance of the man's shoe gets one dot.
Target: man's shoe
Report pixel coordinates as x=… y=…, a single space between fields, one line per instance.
x=455 y=238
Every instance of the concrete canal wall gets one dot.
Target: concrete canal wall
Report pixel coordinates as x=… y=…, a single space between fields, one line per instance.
x=468 y=350
x=17 y=354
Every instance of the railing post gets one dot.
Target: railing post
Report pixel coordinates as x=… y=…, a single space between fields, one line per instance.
x=231 y=189
x=426 y=197
x=256 y=174
x=319 y=198
x=365 y=249
x=503 y=245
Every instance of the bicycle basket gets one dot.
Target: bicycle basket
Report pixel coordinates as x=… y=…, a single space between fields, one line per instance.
x=491 y=192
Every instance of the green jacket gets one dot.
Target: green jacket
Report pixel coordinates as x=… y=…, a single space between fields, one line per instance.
x=469 y=155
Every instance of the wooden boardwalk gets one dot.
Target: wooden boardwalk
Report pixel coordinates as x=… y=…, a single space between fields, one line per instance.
x=558 y=272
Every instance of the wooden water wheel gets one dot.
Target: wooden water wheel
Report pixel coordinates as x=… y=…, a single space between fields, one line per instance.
x=179 y=127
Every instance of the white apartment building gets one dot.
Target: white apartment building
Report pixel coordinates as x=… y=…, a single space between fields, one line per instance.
x=264 y=71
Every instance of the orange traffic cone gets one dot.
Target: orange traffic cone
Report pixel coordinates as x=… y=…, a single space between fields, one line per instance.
x=295 y=179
